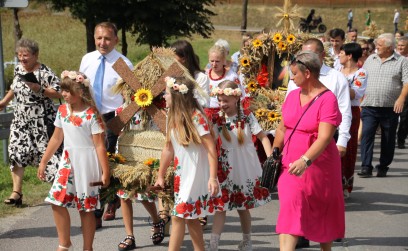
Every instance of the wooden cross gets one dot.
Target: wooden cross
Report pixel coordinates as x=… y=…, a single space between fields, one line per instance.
x=116 y=124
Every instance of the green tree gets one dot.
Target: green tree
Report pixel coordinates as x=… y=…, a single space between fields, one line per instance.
x=151 y=22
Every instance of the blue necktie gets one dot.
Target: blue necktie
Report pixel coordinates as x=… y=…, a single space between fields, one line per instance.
x=98 y=83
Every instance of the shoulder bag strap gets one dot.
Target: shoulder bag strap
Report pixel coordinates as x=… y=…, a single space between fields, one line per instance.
x=310 y=104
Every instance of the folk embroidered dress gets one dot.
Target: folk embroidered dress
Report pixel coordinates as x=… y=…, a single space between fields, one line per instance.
x=192 y=199
x=239 y=169
x=311 y=205
x=79 y=163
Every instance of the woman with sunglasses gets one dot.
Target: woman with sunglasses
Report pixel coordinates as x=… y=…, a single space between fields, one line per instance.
x=309 y=188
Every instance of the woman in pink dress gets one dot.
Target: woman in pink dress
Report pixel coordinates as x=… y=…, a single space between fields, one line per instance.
x=309 y=188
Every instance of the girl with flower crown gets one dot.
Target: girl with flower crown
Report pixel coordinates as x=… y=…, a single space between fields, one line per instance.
x=79 y=125
x=239 y=169
x=189 y=142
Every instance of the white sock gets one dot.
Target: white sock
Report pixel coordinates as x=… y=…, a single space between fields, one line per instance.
x=214 y=239
x=246 y=237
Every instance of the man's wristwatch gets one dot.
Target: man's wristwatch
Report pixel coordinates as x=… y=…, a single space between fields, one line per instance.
x=307 y=161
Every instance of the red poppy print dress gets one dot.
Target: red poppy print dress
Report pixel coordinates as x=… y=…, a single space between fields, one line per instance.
x=239 y=169
x=192 y=199
x=79 y=163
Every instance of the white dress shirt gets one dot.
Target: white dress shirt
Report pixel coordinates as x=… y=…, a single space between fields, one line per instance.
x=337 y=83
x=396 y=17
x=89 y=65
x=336 y=65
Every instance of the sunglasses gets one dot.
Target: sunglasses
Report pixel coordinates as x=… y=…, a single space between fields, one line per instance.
x=365 y=49
x=297 y=61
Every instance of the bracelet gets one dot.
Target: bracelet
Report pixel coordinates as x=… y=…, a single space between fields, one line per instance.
x=214 y=179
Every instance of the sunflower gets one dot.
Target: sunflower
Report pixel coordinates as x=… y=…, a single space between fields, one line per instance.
x=245 y=62
x=260 y=113
x=252 y=86
x=120 y=159
x=282 y=46
x=277 y=37
x=143 y=97
x=257 y=43
x=273 y=116
x=116 y=158
x=291 y=39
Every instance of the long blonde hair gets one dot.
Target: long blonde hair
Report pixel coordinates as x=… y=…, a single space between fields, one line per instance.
x=180 y=114
x=75 y=88
x=225 y=133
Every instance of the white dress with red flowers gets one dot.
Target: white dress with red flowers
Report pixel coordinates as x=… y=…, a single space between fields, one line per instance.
x=192 y=199
x=239 y=169
x=79 y=164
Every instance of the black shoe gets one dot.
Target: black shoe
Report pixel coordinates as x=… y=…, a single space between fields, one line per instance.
x=382 y=171
x=302 y=243
x=365 y=173
x=98 y=222
x=401 y=146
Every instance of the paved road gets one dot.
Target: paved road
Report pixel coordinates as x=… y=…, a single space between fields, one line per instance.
x=376 y=219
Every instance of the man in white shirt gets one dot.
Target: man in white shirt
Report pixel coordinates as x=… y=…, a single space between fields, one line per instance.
x=350 y=20
x=396 y=20
x=338 y=84
x=337 y=38
x=105 y=40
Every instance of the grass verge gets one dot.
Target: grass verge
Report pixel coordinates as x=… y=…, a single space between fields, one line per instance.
x=34 y=190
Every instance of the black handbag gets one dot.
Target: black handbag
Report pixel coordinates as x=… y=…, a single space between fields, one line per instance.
x=273 y=164
x=271 y=170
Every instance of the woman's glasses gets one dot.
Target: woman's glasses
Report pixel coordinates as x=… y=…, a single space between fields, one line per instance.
x=297 y=61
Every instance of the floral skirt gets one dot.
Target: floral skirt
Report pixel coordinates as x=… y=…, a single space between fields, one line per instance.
x=71 y=188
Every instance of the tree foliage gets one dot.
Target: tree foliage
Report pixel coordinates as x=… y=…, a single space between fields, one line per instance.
x=151 y=22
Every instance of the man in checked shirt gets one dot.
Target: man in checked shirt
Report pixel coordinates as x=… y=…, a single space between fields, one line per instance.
x=387 y=88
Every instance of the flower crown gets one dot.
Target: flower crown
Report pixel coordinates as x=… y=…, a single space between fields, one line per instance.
x=171 y=83
x=79 y=78
x=226 y=91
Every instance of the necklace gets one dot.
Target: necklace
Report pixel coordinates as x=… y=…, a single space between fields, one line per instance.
x=216 y=79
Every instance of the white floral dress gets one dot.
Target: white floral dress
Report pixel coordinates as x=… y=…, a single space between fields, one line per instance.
x=192 y=199
x=239 y=169
x=79 y=164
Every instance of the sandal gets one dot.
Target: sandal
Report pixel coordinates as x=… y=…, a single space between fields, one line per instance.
x=158 y=237
x=16 y=202
x=66 y=248
x=164 y=215
x=126 y=245
x=203 y=221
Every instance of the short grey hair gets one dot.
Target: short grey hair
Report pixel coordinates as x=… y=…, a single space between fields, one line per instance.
x=403 y=39
x=389 y=39
x=308 y=60
x=28 y=44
